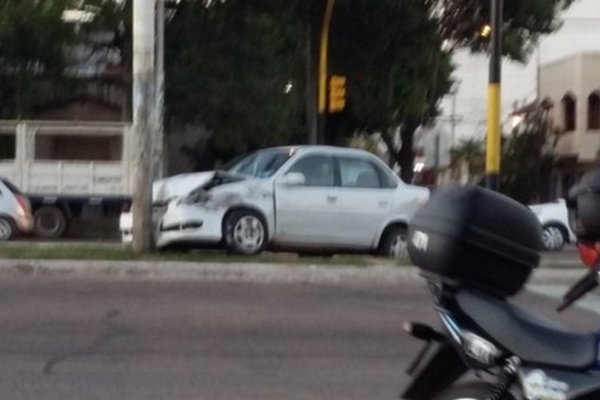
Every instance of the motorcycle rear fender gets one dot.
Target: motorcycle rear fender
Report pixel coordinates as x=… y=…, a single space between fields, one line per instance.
x=435 y=368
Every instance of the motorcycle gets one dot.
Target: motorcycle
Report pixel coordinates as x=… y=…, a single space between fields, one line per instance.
x=476 y=248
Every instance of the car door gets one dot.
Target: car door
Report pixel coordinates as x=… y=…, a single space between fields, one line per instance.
x=306 y=213
x=365 y=200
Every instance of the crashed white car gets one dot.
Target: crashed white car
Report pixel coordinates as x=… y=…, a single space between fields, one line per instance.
x=302 y=197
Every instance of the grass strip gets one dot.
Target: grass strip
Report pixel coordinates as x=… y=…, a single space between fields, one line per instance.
x=117 y=252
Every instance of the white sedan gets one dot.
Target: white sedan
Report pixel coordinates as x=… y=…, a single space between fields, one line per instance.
x=299 y=198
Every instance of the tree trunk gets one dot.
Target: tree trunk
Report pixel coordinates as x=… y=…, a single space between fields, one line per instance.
x=406 y=155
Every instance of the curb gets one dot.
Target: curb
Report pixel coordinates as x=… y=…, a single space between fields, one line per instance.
x=244 y=272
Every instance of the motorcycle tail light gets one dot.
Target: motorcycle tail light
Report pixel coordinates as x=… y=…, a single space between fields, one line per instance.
x=588 y=254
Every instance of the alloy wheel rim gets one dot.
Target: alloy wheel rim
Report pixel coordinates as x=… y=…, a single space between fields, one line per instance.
x=552 y=238
x=5 y=229
x=398 y=246
x=248 y=233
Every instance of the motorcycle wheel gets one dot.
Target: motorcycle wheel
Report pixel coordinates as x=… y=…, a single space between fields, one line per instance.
x=469 y=391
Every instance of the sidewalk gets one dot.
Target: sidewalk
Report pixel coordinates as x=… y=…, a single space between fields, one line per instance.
x=248 y=272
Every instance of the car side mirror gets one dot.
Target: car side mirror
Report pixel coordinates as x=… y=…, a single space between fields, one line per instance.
x=293 y=179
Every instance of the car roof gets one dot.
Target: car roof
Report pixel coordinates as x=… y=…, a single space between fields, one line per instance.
x=309 y=148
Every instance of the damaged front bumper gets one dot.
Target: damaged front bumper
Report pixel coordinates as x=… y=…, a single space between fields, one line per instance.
x=180 y=224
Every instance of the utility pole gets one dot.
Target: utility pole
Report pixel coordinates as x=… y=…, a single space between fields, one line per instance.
x=492 y=154
x=144 y=91
x=158 y=159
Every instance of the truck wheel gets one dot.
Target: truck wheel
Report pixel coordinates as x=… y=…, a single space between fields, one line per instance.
x=50 y=222
x=6 y=229
x=245 y=232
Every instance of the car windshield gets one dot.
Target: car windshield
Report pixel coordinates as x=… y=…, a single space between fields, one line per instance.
x=263 y=163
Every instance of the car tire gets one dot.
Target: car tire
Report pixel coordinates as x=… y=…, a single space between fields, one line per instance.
x=470 y=391
x=245 y=232
x=6 y=229
x=554 y=237
x=50 y=222
x=394 y=242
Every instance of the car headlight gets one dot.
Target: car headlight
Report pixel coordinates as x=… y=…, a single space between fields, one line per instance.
x=196 y=197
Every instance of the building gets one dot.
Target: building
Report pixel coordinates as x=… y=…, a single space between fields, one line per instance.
x=572 y=85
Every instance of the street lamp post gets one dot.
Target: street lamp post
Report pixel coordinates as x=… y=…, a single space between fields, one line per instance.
x=492 y=159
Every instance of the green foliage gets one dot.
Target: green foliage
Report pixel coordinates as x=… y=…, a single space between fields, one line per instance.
x=227 y=68
x=468 y=156
x=527 y=159
x=33 y=39
x=391 y=52
x=524 y=22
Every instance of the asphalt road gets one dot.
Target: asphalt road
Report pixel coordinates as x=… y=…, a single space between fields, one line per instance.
x=102 y=338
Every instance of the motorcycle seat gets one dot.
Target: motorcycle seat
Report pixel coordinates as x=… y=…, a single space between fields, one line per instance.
x=532 y=338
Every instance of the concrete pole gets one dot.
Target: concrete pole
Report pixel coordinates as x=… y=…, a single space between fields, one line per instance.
x=143 y=121
x=158 y=159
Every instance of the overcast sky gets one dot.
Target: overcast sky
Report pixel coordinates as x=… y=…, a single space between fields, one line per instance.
x=580 y=32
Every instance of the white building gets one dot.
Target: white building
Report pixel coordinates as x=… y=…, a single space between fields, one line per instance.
x=580 y=33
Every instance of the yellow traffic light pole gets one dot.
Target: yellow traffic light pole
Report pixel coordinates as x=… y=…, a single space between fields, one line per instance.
x=323 y=56
x=492 y=153
x=322 y=79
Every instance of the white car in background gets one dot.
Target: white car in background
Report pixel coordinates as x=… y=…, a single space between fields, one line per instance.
x=300 y=198
x=15 y=211
x=554 y=218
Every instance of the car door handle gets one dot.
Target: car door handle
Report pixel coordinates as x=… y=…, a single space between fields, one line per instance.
x=331 y=199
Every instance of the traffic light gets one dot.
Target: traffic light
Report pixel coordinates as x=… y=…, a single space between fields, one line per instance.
x=337 y=93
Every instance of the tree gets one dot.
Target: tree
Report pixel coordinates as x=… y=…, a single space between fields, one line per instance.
x=237 y=69
x=37 y=63
x=33 y=39
x=469 y=157
x=398 y=56
x=528 y=158
x=397 y=70
x=524 y=23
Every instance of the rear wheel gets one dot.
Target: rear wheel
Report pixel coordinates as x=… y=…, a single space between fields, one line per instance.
x=553 y=237
x=394 y=242
x=6 y=229
x=50 y=222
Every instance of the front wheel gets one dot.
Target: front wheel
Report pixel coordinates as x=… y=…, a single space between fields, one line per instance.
x=394 y=242
x=245 y=232
x=470 y=391
x=553 y=238
x=6 y=229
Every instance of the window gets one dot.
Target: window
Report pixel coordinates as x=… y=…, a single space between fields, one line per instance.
x=594 y=111
x=569 y=107
x=362 y=173
x=7 y=146
x=317 y=170
x=261 y=164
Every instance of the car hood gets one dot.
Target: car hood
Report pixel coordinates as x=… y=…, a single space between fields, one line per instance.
x=181 y=185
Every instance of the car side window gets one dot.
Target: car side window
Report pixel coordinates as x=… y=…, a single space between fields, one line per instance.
x=358 y=172
x=318 y=170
